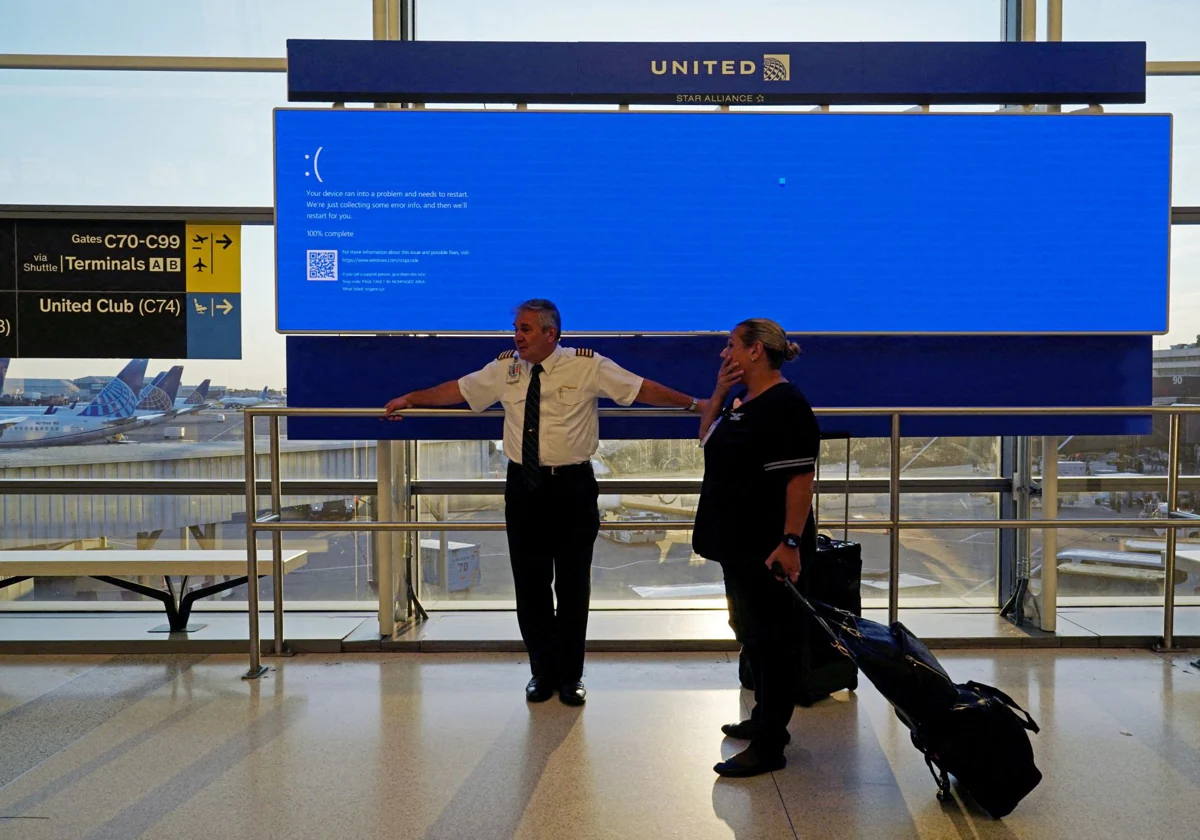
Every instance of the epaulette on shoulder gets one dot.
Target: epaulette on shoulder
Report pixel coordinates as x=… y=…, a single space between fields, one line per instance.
x=585 y=352
x=507 y=354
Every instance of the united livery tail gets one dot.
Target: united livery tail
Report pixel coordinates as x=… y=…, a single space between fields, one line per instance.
x=120 y=396
x=149 y=389
x=160 y=394
x=264 y=396
x=200 y=395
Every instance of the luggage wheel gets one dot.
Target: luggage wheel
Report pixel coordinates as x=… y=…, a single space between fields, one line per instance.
x=943 y=794
x=940 y=776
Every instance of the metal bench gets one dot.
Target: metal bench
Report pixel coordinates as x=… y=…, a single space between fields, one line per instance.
x=113 y=566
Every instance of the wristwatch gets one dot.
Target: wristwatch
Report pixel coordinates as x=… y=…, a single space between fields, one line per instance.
x=695 y=404
x=792 y=541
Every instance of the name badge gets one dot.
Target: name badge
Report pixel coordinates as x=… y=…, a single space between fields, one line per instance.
x=514 y=372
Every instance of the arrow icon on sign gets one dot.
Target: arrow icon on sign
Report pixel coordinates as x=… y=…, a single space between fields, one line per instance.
x=225 y=306
x=225 y=241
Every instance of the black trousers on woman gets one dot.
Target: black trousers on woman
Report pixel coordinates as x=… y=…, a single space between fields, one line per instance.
x=763 y=615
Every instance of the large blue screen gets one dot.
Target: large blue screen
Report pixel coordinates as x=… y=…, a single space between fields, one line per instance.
x=441 y=221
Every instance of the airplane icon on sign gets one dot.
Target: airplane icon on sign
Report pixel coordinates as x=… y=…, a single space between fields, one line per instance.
x=199 y=266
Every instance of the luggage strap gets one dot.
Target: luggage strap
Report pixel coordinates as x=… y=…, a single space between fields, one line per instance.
x=996 y=694
x=815 y=608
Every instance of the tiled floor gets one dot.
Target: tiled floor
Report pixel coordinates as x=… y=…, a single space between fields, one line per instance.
x=389 y=745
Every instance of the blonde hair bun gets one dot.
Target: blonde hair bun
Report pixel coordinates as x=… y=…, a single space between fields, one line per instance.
x=791 y=351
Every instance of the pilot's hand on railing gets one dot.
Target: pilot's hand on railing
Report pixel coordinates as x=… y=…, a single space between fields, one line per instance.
x=398 y=404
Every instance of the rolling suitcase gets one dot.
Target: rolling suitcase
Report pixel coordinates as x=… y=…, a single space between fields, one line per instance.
x=835 y=578
x=972 y=731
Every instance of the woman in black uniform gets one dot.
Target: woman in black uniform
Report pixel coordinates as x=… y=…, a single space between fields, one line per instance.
x=756 y=510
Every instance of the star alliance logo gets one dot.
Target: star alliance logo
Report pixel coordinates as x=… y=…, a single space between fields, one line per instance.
x=777 y=67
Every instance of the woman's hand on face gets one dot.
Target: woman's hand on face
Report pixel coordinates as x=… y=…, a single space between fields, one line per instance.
x=728 y=376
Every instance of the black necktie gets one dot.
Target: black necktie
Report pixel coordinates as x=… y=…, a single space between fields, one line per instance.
x=530 y=465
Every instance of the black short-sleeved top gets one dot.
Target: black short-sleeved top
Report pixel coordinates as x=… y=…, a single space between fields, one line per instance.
x=749 y=457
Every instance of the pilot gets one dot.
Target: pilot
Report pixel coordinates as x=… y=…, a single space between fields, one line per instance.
x=551 y=432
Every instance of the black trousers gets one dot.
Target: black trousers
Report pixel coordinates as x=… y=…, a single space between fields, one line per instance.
x=764 y=619
x=551 y=533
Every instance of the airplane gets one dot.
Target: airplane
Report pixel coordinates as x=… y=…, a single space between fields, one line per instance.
x=196 y=401
x=109 y=414
x=3 y=372
x=247 y=402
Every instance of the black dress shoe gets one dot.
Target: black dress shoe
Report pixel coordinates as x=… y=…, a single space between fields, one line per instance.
x=746 y=730
x=750 y=763
x=573 y=693
x=539 y=690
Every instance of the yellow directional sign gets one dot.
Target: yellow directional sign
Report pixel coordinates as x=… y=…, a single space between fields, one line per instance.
x=214 y=258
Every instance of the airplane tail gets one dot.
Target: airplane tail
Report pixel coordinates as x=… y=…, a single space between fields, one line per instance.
x=160 y=394
x=200 y=395
x=3 y=373
x=120 y=396
x=264 y=396
x=147 y=392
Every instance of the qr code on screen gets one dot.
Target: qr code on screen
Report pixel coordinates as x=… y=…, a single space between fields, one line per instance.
x=322 y=265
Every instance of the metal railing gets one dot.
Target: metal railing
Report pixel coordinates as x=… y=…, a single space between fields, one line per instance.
x=272 y=524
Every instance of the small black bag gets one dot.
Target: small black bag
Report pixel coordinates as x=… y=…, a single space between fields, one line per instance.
x=969 y=731
x=982 y=742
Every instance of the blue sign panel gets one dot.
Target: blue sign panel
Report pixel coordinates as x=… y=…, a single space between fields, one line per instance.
x=436 y=221
x=214 y=325
x=833 y=371
x=717 y=73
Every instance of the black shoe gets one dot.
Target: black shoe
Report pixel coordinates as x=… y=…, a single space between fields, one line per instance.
x=573 y=693
x=750 y=763
x=746 y=730
x=539 y=690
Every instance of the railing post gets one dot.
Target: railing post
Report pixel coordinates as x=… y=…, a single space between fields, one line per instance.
x=410 y=555
x=256 y=666
x=276 y=537
x=1168 y=641
x=894 y=515
x=385 y=578
x=1048 y=599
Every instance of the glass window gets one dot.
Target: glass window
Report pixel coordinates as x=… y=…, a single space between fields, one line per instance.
x=709 y=20
x=1117 y=567
x=195 y=27
x=338 y=568
x=1185 y=287
x=1180 y=97
x=137 y=138
x=1170 y=28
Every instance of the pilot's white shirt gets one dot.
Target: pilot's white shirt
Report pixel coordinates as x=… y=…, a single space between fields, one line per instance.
x=571 y=380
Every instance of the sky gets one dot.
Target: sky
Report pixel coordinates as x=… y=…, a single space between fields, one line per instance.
x=204 y=139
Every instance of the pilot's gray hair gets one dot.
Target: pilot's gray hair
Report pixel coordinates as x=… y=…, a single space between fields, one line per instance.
x=547 y=314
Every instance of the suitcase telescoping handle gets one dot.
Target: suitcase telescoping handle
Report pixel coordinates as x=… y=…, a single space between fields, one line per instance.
x=838 y=435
